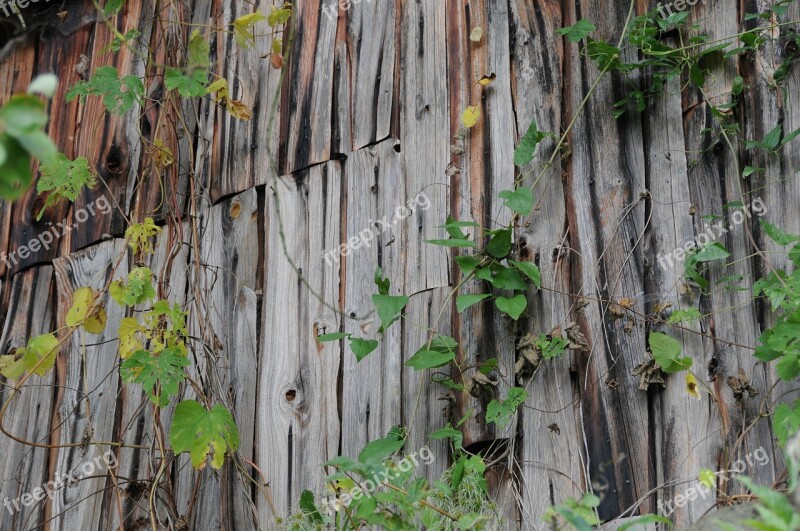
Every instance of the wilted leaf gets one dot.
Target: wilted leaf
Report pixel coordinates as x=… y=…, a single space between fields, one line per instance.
x=470 y=116
x=476 y=34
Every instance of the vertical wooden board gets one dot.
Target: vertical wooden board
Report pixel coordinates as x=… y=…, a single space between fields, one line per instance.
x=425 y=140
x=715 y=183
x=549 y=452
x=155 y=191
x=109 y=142
x=244 y=151
x=426 y=405
x=297 y=426
x=307 y=98
x=607 y=220
x=778 y=188
x=25 y=229
x=372 y=44
x=689 y=429
x=486 y=168
x=227 y=361
x=374 y=191
x=24 y=468
x=89 y=381
x=169 y=264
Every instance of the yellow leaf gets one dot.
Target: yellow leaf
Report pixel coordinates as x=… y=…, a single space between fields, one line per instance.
x=243 y=28
x=691 y=386
x=220 y=90
x=476 y=34
x=45 y=348
x=128 y=341
x=86 y=312
x=470 y=116
x=239 y=110
x=485 y=80
x=162 y=155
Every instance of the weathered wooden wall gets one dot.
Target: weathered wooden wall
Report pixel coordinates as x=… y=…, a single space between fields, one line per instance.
x=369 y=107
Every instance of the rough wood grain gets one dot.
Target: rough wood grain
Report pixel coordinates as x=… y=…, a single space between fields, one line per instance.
x=24 y=468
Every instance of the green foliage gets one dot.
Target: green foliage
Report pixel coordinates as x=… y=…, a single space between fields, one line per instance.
x=682 y=316
x=519 y=200
x=578 y=31
x=774 y=508
x=139 y=235
x=22 y=136
x=786 y=421
x=709 y=253
x=429 y=359
x=666 y=351
x=38 y=358
x=64 y=179
x=512 y=306
x=86 y=311
x=159 y=375
x=501 y=411
x=137 y=290
x=580 y=514
x=203 y=433
x=119 y=95
x=526 y=149
x=243 y=29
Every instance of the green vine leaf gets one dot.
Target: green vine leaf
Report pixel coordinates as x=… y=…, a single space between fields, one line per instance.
x=188 y=85
x=203 y=433
x=243 y=29
x=22 y=120
x=64 y=180
x=119 y=95
x=500 y=244
x=519 y=200
x=159 y=375
x=526 y=149
x=578 y=31
x=666 y=352
x=139 y=235
x=501 y=411
x=362 y=347
x=429 y=359
x=86 y=312
x=513 y=307
x=778 y=236
x=39 y=356
x=137 y=290
x=530 y=270
x=390 y=308
x=465 y=301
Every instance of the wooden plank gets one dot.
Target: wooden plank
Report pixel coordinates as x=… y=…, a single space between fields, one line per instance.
x=169 y=264
x=110 y=143
x=372 y=43
x=227 y=359
x=549 y=452
x=307 y=98
x=25 y=468
x=85 y=405
x=297 y=418
x=606 y=220
x=763 y=108
x=374 y=191
x=243 y=151
x=688 y=438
